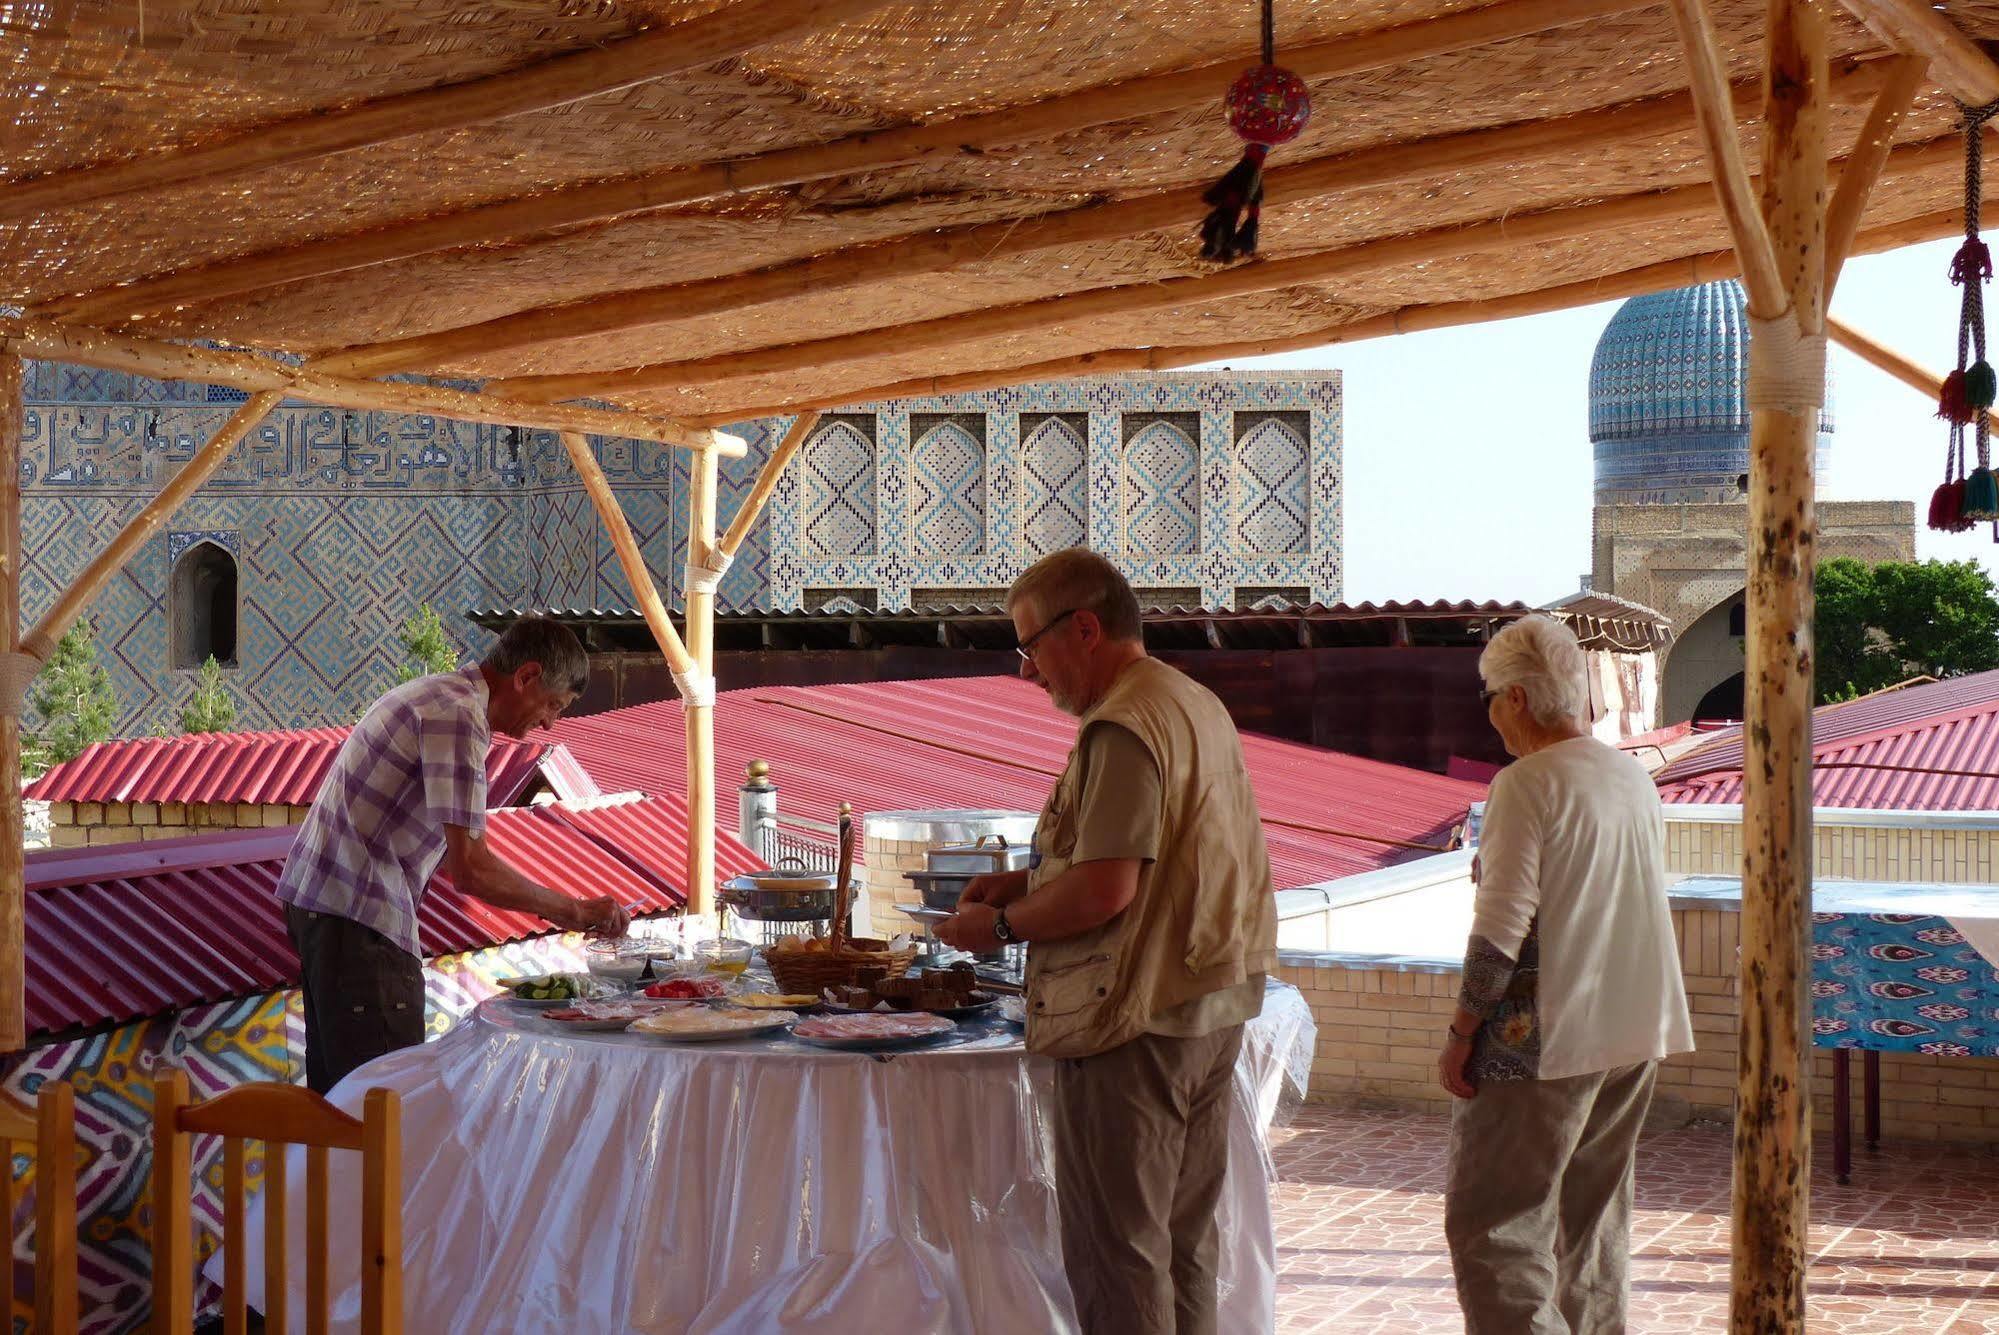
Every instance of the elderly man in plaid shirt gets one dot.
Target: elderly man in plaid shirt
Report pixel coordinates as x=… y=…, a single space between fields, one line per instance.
x=407 y=792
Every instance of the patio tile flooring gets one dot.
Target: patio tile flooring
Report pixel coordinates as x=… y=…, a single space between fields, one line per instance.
x=1912 y=1245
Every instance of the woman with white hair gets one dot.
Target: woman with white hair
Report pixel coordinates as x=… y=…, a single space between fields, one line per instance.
x=1572 y=994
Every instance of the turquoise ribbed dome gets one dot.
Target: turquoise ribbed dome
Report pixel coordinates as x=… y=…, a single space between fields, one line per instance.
x=1666 y=414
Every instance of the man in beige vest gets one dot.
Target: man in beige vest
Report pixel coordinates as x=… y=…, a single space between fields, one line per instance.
x=1150 y=924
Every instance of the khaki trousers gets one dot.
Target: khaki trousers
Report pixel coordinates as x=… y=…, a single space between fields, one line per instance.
x=1141 y=1150
x=1537 y=1208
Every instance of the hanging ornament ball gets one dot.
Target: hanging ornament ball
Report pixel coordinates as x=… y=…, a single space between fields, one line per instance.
x=1268 y=105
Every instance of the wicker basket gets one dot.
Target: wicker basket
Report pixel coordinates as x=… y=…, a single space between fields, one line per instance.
x=800 y=971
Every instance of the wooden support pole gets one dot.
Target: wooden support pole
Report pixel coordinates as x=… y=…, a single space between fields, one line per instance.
x=947 y=249
x=1917 y=377
x=1458 y=241
x=699 y=714
x=161 y=360
x=767 y=480
x=55 y=623
x=13 y=862
x=1867 y=160
x=1148 y=95
x=631 y=559
x=1773 y=1123
x=555 y=82
x=1658 y=277
x=1917 y=27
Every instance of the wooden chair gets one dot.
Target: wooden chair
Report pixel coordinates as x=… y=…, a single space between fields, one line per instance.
x=51 y=1132
x=278 y=1115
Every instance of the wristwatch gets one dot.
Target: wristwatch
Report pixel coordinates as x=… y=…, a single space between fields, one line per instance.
x=1002 y=929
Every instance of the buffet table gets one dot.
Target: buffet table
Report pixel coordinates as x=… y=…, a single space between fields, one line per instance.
x=563 y=1182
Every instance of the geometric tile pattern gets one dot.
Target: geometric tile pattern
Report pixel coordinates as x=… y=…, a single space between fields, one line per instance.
x=1162 y=499
x=949 y=488
x=838 y=467
x=1273 y=493
x=1054 y=470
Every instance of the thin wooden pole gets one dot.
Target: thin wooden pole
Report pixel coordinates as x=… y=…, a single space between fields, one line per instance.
x=13 y=866
x=162 y=360
x=767 y=480
x=1916 y=26
x=1773 y=1124
x=631 y=558
x=1865 y=163
x=699 y=712
x=55 y=623
x=873 y=150
x=557 y=81
x=1877 y=354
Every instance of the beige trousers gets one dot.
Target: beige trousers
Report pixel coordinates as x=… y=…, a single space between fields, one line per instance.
x=1537 y=1208
x=1141 y=1149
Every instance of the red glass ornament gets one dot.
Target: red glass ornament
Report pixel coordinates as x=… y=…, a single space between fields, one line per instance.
x=1268 y=105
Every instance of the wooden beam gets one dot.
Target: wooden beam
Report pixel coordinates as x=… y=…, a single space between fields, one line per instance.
x=1707 y=77
x=555 y=82
x=1658 y=277
x=1915 y=26
x=1770 y=1218
x=767 y=480
x=13 y=863
x=162 y=360
x=698 y=715
x=1917 y=377
x=1864 y=164
x=943 y=250
x=41 y=641
x=1459 y=240
x=1149 y=95
x=631 y=558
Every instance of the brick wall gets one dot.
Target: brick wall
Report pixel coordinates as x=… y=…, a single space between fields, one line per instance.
x=1380 y=1029
x=1871 y=851
x=76 y=824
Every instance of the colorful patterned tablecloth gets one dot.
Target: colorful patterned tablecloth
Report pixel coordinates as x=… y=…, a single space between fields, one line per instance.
x=1901 y=982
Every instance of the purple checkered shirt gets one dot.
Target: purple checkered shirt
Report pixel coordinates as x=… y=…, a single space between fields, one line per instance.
x=415 y=763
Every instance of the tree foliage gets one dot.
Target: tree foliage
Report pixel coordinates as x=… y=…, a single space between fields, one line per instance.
x=1881 y=624
x=211 y=708
x=429 y=650
x=74 y=696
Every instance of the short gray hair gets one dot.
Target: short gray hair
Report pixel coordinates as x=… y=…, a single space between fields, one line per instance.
x=1077 y=579
x=1540 y=656
x=543 y=640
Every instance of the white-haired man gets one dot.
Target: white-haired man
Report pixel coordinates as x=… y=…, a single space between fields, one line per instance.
x=1572 y=993
x=1150 y=926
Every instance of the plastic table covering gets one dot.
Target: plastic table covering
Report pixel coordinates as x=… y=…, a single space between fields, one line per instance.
x=564 y=1182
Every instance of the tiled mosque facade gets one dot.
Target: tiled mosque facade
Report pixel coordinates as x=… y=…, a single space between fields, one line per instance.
x=1219 y=489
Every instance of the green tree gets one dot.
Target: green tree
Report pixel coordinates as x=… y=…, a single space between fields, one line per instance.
x=73 y=695
x=429 y=649
x=210 y=708
x=1880 y=624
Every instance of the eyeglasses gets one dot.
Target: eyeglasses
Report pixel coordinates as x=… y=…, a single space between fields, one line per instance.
x=1026 y=647
x=1485 y=698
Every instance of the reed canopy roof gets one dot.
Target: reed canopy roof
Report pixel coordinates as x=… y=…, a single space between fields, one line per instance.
x=709 y=211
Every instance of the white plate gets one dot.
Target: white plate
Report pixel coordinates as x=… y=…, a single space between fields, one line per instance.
x=767 y=1023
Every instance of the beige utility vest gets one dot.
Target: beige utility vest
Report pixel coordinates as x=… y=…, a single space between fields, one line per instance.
x=1204 y=917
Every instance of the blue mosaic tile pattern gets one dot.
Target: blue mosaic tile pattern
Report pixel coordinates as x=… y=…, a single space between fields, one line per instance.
x=948 y=492
x=1161 y=496
x=1054 y=473
x=1273 y=487
x=838 y=467
x=1667 y=414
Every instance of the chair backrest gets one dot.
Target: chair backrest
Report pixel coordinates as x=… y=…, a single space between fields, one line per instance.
x=51 y=1136
x=277 y=1115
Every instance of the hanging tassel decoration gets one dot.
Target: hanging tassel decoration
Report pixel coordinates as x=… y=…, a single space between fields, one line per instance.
x=1969 y=392
x=1267 y=105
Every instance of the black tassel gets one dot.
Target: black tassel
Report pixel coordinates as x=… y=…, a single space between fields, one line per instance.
x=1226 y=233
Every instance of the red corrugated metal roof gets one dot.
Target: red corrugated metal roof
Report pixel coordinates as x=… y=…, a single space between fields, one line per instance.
x=996 y=742
x=131 y=930
x=278 y=768
x=1925 y=748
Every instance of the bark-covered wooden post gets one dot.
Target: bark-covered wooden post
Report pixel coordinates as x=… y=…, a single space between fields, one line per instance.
x=17 y=672
x=705 y=567
x=1786 y=385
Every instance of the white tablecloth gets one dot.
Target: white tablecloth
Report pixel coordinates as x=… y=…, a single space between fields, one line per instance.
x=568 y=1183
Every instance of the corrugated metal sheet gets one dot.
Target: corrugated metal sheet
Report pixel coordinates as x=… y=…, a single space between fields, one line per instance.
x=278 y=768
x=118 y=933
x=997 y=742
x=1926 y=748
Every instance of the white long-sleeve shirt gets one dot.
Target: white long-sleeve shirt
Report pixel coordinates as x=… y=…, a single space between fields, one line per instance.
x=1573 y=883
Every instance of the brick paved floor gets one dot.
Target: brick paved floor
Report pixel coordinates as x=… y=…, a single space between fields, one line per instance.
x=1912 y=1245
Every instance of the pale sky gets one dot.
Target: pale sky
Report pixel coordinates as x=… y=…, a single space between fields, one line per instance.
x=1468 y=455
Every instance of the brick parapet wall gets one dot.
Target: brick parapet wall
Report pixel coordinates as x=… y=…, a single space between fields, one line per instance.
x=1956 y=855
x=77 y=824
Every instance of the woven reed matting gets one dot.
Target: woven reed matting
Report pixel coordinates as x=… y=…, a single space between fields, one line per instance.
x=85 y=88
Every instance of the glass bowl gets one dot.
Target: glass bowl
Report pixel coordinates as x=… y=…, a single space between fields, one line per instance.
x=724 y=955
